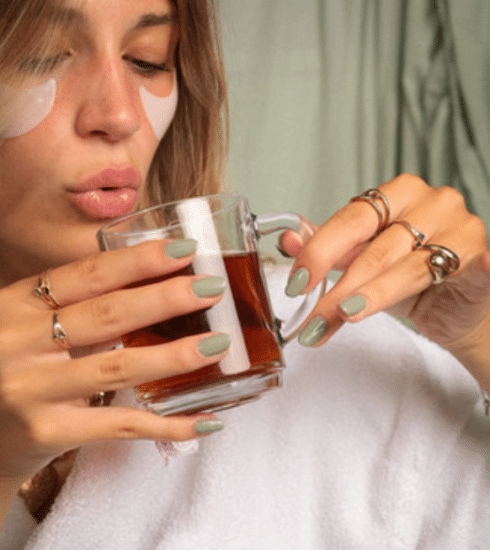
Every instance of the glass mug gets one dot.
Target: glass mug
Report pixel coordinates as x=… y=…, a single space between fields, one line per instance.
x=227 y=234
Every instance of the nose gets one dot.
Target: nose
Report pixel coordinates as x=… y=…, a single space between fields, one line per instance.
x=109 y=107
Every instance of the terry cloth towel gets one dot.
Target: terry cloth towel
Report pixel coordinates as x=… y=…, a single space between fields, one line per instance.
x=376 y=441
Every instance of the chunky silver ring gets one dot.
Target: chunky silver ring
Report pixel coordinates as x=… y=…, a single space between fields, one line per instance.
x=418 y=236
x=59 y=334
x=44 y=292
x=442 y=262
x=384 y=213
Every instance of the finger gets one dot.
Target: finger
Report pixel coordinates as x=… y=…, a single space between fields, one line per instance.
x=104 y=272
x=121 y=368
x=106 y=317
x=72 y=428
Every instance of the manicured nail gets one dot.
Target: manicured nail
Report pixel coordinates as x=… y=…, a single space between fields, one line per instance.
x=208 y=426
x=181 y=248
x=353 y=305
x=214 y=344
x=314 y=331
x=209 y=286
x=298 y=282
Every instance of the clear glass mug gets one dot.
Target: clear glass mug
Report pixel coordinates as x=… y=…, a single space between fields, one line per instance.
x=227 y=234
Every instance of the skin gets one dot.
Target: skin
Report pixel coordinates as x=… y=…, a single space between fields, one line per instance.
x=97 y=122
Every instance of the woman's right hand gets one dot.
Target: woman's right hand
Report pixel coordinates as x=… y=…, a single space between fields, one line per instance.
x=44 y=392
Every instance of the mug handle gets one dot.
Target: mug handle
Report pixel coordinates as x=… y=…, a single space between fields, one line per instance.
x=265 y=224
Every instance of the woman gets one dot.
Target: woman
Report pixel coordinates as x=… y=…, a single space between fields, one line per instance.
x=317 y=464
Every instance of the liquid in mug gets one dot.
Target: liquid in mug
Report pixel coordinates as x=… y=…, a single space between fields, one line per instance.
x=256 y=321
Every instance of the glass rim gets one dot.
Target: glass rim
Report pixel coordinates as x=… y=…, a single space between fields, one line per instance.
x=105 y=229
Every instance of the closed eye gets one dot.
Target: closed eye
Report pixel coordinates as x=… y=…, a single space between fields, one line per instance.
x=147 y=68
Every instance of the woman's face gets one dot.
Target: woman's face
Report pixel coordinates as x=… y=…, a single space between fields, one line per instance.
x=86 y=160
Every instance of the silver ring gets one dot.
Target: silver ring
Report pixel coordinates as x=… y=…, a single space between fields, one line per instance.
x=418 y=236
x=59 y=334
x=384 y=213
x=44 y=292
x=442 y=262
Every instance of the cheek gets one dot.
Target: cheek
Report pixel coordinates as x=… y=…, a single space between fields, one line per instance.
x=160 y=111
x=29 y=109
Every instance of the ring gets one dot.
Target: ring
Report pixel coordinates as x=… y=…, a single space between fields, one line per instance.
x=101 y=399
x=442 y=262
x=44 y=292
x=419 y=237
x=59 y=334
x=370 y=197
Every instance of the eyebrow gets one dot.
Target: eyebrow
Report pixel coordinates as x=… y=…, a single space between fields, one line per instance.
x=70 y=16
x=154 y=20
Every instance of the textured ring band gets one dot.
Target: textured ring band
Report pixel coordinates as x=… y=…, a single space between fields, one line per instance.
x=418 y=236
x=44 y=292
x=370 y=197
x=59 y=334
x=442 y=262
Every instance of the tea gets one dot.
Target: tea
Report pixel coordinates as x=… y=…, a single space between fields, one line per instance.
x=259 y=333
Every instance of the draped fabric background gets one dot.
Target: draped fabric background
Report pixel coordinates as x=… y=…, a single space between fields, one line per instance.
x=329 y=98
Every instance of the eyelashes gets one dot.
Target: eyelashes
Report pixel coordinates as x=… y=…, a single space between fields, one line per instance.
x=146 y=68
x=43 y=65
x=46 y=65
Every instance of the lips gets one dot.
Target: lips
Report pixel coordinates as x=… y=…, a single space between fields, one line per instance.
x=107 y=194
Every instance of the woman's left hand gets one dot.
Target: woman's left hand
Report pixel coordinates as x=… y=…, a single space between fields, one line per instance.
x=387 y=272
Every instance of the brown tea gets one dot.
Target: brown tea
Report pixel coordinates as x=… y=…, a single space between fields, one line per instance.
x=257 y=324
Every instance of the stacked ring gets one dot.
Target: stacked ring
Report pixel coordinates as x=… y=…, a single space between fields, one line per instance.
x=370 y=197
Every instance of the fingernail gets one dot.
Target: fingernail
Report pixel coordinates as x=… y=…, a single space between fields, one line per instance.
x=353 y=305
x=209 y=286
x=208 y=426
x=181 y=248
x=214 y=344
x=314 y=331
x=297 y=283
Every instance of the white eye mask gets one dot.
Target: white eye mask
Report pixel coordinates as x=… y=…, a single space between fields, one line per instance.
x=29 y=109
x=33 y=105
x=160 y=110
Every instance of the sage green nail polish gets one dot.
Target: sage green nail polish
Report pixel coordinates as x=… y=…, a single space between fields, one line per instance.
x=353 y=305
x=214 y=344
x=314 y=331
x=209 y=286
x=181 y=248
x=298 y=282
x=208 y=426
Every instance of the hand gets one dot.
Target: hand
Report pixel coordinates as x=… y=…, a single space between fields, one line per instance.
x=385 y=272
x=44 y=392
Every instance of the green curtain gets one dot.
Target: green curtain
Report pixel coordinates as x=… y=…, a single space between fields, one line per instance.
x=331 y=97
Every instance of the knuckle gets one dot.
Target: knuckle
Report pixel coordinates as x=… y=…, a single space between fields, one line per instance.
x=114 y=371
x=415 y=183
x=376 y=258
x=477 y=228
x=450 y=197
x=106 y=310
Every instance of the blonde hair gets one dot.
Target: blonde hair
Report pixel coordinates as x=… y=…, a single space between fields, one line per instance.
x=191 y=156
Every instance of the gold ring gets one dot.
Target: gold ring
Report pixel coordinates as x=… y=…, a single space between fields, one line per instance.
x=59 y=334
x=442 y=262
x=384 y=213
x=44 y=292
x=418 y=236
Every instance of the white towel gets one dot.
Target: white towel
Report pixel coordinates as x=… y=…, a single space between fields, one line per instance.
x=376 y=441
